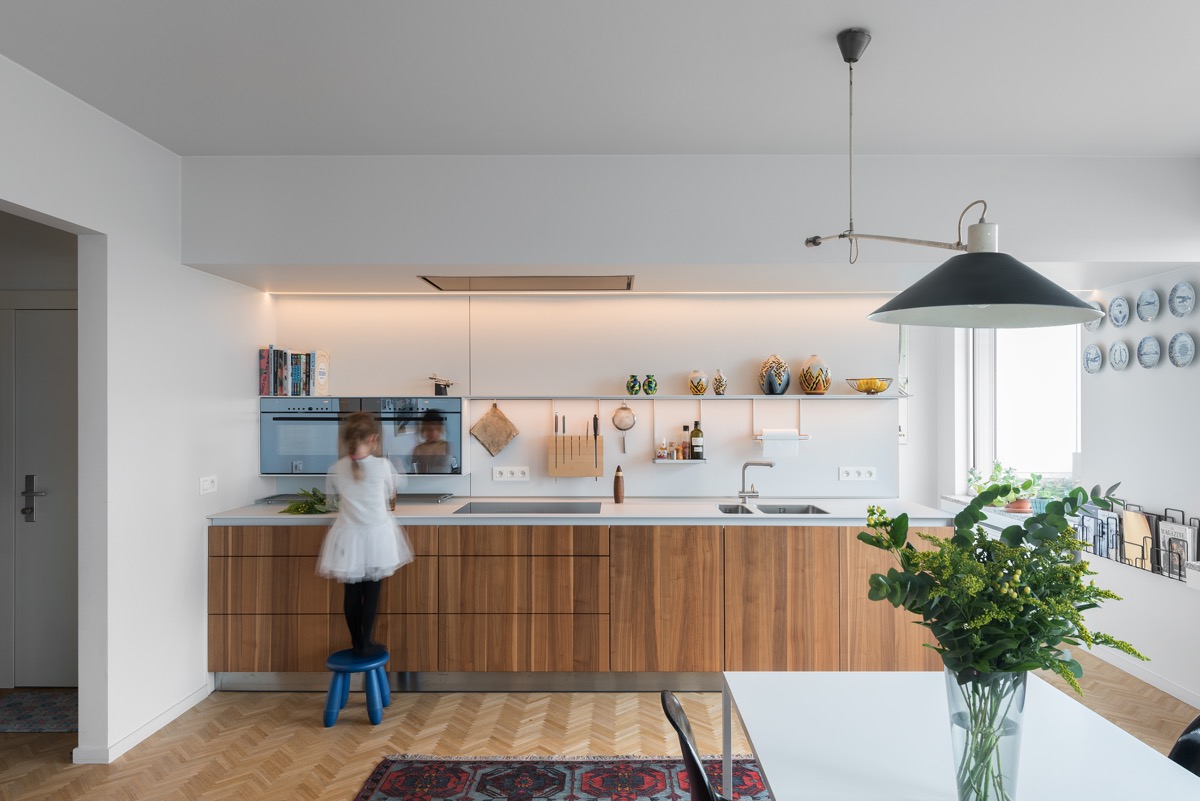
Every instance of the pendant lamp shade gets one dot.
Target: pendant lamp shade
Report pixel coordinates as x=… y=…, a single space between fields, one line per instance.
x=985 y=290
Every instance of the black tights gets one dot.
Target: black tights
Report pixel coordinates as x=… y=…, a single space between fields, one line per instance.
x=360 y=602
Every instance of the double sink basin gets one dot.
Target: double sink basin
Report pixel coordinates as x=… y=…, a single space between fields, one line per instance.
x=771 y=509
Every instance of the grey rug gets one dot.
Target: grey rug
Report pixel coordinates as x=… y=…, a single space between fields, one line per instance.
x=51 y=711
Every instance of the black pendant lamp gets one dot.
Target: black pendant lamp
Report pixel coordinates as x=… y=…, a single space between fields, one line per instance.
x=981 y=288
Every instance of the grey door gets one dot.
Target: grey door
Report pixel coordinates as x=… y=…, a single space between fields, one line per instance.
x=46 y=549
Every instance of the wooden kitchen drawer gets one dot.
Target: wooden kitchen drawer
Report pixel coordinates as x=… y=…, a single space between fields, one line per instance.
x=295 y=540
x=302 y=643
x=523 y=540
x=524 y=584
x=290 y=585
x=522 y=643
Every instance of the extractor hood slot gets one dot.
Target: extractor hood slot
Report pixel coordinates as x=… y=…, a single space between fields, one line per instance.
x=530 y=283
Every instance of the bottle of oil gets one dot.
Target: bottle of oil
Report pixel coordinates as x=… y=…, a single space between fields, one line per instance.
x=697 y=446
x=686 y=443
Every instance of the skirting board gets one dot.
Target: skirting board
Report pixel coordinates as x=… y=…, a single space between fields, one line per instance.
x=481 y=682
x=104 y=755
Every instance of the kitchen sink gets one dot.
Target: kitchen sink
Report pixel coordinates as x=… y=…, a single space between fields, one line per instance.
x=734 y=509
x=790 y=509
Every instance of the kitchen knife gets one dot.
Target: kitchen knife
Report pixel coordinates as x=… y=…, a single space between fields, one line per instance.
x=595 y=438
x=556 y=441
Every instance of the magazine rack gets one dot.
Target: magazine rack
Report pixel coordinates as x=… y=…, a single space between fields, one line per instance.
x=1152 y=552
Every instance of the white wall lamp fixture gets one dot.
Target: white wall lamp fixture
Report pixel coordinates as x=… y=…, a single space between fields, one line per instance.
x=981 y=287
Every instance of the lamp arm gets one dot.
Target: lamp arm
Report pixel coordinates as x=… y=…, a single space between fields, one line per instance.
x=815 y=241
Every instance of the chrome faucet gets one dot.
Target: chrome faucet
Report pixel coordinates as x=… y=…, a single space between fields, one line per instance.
x=746 y=494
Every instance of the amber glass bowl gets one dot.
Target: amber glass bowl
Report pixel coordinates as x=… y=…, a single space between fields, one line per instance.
x=871 y=386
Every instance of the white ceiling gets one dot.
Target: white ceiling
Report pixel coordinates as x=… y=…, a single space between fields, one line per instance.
x=384 y=77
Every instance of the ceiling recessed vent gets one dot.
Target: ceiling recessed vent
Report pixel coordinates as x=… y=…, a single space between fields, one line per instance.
x=530 y=283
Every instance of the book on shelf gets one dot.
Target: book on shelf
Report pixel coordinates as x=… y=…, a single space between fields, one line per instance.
x=284 y=372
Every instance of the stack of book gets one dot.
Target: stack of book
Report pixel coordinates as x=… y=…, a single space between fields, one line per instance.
x=292 y=372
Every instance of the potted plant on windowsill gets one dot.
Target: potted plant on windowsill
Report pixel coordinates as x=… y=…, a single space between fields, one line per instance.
x=1023 y=493
x=998 y=607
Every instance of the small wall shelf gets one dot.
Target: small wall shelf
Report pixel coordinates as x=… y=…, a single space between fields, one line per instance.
x=858 y=396
x=680 y=461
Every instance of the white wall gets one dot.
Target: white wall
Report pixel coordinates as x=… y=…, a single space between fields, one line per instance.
x=160 y=403
x=1140 y=427
x=568 y=349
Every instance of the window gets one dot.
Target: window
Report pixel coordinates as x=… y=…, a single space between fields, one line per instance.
x=1026 y=398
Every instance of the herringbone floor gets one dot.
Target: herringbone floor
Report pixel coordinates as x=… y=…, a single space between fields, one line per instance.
x=264 y=746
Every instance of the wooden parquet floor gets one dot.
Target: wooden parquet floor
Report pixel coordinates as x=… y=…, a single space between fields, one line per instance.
x=264 y=746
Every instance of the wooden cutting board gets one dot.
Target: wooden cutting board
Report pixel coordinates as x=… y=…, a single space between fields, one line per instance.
x=494 y=431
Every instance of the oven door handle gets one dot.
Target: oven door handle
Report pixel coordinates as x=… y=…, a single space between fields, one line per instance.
x=297 y=419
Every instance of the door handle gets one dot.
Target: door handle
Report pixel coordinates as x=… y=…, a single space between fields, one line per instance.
x=29 y=492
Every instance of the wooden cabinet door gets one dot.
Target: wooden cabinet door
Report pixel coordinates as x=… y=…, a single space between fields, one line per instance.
x=875 y=634
x=524 y=584
x=504 y=642
x=667 y=587
x=782 y=598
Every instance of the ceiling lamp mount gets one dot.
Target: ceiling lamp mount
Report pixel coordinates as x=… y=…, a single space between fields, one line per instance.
x=981 y=287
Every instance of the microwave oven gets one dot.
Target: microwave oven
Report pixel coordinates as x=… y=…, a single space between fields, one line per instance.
x=302 y=436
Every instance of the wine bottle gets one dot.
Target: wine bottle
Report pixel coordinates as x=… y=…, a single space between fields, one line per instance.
x=697 y=446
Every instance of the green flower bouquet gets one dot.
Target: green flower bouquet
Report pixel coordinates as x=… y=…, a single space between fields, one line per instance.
x=998 y=608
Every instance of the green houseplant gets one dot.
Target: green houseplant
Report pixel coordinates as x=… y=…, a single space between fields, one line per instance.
x=998 y=608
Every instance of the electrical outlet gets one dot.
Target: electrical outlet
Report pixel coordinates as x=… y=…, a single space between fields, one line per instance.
x=208 y=484
x=856 y=473
x=511 y=473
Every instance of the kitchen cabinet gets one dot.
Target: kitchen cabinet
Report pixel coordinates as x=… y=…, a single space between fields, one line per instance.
x=667 y=598
x=876 y=635
x=782 y=601
x=523 y=598
x=270 y=612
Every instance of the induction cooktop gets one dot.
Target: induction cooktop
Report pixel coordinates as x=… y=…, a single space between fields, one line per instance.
x=529 y=508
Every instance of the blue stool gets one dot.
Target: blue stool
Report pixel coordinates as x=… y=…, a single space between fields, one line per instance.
x=343 y=663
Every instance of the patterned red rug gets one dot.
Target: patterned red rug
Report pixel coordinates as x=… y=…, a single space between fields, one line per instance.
x=425 y=778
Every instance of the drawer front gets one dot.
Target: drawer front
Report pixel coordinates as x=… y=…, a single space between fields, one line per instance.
x=302 y=643
x=290 y=585
x=523 y=540
x=536 y=643
x=524 y=584
x=296 y=540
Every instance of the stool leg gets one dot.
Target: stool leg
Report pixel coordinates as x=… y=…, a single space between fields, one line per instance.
x=333 y=702
x=374 y=701
x=385 y=691
x=345 y=689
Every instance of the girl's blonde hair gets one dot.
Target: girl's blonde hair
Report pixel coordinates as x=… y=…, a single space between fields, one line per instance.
x=358 y=428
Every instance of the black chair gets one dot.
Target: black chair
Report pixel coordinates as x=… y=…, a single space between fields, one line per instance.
x=1186 y=751
x=702 y=790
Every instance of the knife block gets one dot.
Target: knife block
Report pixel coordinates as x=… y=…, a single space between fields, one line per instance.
x=575 y=458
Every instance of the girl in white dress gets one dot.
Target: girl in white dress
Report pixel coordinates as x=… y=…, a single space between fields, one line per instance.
x=365 y=544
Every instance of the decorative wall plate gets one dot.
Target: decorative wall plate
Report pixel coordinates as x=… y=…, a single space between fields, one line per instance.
x=1181 y=349
x=1092 y=325
x=1118 y=312
x=1147 y=305
x=1148 y=352
x=1093 y=359
x=1118 y=355
x=1182 y=299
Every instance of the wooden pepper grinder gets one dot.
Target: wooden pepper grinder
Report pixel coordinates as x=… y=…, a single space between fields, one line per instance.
x=618 y=486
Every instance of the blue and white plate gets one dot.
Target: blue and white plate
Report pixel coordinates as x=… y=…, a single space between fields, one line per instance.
x=1181 y=349
x=1118 y=312
x=1092 y=325
x=1093 y=358
x=1118 y=355
x=1182 y=299
x=1149 y=351
x=1147 y=305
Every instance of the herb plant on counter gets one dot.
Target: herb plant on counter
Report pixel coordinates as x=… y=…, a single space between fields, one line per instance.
x=997 y=605
x=314 y=503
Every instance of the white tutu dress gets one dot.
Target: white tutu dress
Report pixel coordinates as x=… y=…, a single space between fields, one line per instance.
x=365 y=542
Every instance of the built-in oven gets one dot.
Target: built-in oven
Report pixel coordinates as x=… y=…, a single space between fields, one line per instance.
x=421 y=436
x=302 y=436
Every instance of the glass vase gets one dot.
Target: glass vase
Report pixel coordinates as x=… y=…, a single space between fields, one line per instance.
x=986 y=715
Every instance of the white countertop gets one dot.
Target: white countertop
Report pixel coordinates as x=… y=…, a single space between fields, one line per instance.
x=634 y=512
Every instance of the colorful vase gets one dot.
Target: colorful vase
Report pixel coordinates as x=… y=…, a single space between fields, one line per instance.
x=698 y=382
x=719 y=383
x=814 y=375
x=650 y=385
x=633 y=386
x=774 y=377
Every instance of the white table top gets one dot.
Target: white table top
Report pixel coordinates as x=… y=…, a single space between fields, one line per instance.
x=857 y=736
